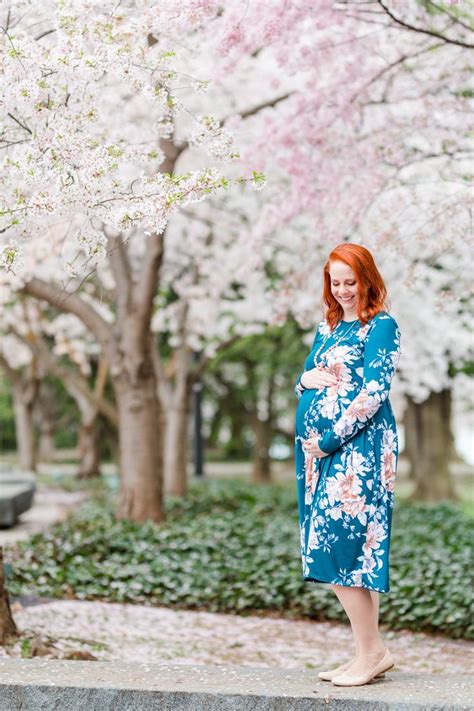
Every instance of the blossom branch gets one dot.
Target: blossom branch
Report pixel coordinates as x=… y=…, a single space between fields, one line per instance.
x=72 y=303
x=423 y=30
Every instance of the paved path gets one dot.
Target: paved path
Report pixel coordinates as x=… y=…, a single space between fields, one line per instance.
x=49 y=506
x=102 y=686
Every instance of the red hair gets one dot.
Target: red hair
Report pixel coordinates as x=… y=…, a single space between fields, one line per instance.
x=372 y=293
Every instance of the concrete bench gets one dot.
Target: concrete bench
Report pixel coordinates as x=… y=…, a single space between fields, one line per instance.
x=32 y=684
x=16 y=496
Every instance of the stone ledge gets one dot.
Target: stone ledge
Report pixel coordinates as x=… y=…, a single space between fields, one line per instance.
x=16 y=496
x=35 y=684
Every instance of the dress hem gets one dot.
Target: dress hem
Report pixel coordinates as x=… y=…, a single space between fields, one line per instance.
x=308 y=579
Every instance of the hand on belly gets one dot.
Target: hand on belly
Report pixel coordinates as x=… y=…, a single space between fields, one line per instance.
x=311 y=446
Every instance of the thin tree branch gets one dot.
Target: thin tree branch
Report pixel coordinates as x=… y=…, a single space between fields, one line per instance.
x=146 y=287
x=391 y=66
x=11 y=373
x=73 y=304
x=74 y=383
x=260 y=107
x=244 y=114
x=22 y=125
x=456 y=19
x=121 y=269
x=45 y=34
x=423 y=30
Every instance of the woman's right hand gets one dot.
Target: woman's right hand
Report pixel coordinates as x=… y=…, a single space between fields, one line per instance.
x=317 y=378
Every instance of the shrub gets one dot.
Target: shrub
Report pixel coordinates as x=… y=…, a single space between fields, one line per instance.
x=232 y=546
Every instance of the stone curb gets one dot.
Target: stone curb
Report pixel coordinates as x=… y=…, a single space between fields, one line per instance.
x=49 y=685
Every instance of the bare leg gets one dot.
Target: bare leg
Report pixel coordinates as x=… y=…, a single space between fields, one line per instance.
x=361 y=607
x=336 y=589
x=375 y=602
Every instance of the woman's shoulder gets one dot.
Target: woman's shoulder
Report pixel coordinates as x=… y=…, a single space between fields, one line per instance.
x=383 y=316
x=384 y=326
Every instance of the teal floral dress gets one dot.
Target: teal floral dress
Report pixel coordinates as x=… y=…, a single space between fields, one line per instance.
x=345 y=500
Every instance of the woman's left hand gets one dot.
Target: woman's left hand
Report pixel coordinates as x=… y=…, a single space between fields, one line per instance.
x=311 y=446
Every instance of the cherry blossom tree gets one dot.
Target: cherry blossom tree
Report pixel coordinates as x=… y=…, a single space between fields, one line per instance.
x=212 y=293
x=70 y=360
x=33 y=346
x=403 y=101
x=358 y=121
x=90 y=101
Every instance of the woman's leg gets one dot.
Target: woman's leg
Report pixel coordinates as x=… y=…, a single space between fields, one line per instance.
x=361 y=607
x=375 y=602
x=346 y=665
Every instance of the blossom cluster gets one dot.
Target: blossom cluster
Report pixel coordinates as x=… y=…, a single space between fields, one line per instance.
x=90 y=100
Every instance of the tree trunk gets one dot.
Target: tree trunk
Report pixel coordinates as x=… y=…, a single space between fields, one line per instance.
x=46 y=447
x=88 y=447
x=176 y=398
x=261 y=471
x=23 y=403
x=430 y=447
x=410 y=427
x=176 y=448
x=140 y=447
x=263 y=428
x=7 y=624
x=127 y=346
x=45 y=420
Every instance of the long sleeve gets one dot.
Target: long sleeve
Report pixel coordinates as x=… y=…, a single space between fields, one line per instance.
x=381 y=356
x=299 y=388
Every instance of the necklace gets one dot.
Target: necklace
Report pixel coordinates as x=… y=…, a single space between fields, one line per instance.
x=343 y=335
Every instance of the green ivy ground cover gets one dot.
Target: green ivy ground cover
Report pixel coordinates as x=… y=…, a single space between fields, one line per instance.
x=232 y=546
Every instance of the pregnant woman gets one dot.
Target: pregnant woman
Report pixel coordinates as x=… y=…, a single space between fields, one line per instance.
x=346 y=451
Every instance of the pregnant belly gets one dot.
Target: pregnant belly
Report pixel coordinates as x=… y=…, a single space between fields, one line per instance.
x=307 y=400
x=312 y=414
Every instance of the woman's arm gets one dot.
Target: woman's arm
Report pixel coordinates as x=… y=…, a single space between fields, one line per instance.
x=299 y=387
x=381 y=356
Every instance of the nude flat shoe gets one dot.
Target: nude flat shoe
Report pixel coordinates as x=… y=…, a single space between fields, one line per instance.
x=384 y=665
x=330 y=673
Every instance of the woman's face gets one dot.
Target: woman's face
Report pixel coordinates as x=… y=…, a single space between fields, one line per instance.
x=344 y=286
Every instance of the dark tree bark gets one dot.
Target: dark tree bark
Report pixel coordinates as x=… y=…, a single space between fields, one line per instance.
x=88 y=449
x=24 y=394
x=90 y=402
x=7 y=625
x=175 y=394
x=430 y=447
x=176 y=444
x=25 y=387
x=262 y=427
x=263 y=431
x=140 y=445
x=45 y=422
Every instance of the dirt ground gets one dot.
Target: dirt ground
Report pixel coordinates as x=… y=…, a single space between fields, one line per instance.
x=111 y=631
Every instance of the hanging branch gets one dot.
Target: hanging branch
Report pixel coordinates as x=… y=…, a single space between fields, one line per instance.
x=8 y=627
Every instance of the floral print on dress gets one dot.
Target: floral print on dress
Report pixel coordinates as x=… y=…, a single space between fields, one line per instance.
x=345 y=500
